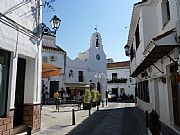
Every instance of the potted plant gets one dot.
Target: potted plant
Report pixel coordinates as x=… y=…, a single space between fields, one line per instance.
x=93 y=99
x=87 y=100
x=154 y=123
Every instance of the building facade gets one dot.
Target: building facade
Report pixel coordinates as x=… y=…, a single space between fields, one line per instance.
x=119 y=80
x=20 y=66
x=153 y=47
x=88 y=70
x=54 y=55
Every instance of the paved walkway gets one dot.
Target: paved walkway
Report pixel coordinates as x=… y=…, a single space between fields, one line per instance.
x=115 y=119
x=119 y=120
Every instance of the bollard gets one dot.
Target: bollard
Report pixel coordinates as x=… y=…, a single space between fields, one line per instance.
x=97 y=107
x=73 y=117
x=89 y=112
x=102 y=104
x=147 y=120
x=29 y=129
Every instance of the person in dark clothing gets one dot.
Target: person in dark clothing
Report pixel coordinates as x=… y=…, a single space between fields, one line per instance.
x=62 y=91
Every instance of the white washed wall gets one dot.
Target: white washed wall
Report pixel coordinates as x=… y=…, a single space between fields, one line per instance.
x=59 y=61
x=173 y=18
x=121 y=73
x=83 y=56
x=129 y=87
x=20 y=45
x=149 y=25
x=49 y=40
x=152 y=27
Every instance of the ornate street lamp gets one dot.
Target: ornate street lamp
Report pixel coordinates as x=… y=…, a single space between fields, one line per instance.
x=55 y=23
x=126 y=50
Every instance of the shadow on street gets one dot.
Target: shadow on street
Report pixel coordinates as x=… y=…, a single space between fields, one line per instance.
x=118 y=121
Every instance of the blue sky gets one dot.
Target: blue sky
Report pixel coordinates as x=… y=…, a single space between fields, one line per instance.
x=79 y=18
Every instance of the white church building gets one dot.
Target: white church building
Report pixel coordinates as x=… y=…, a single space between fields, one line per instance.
x=88 y=70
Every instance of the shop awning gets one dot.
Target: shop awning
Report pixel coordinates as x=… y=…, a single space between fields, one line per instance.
x=49 y=70
x=159 y=47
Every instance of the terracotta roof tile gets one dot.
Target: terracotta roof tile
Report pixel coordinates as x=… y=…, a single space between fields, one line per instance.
x=118 y=64
x=56 y=48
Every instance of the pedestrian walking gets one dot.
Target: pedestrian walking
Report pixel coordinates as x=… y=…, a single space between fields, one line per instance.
x=57 y=98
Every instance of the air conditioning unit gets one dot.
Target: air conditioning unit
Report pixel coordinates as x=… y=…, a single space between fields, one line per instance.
x=52 y=58
x=178 y=30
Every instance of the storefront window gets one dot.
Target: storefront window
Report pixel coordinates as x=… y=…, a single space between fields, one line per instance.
x=4 y=73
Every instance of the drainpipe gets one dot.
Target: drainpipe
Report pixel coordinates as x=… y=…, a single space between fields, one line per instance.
x=39 y=43
x=178 y=9
x=178 y=29
x=64 y=74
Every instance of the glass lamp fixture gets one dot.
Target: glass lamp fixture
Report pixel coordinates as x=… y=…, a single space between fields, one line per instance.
x=55 y=23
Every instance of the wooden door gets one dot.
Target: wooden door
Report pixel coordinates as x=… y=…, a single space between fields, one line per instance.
x=19 y=95
x=175 y=95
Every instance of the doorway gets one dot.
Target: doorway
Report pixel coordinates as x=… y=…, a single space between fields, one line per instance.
x=54 y=85
x=175 y=94
x=115 y=91
x=19 y=94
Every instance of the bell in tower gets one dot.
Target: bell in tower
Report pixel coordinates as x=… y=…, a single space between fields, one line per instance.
x=96 y=40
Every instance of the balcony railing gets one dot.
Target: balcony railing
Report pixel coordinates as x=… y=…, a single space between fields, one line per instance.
x=122 y=80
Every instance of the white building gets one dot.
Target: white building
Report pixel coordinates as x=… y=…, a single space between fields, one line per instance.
x=20 y=65
x=153 y=42
x=54 y=55
x=119 y=80
x=88 y=69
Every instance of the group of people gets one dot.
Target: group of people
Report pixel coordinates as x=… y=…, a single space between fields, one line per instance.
x=58 y=95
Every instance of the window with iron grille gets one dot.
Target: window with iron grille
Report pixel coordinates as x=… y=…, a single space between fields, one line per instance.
x=142 y=91
x=114 y=76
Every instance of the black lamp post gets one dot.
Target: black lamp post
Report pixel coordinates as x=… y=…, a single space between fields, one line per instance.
x=55 y=23
x=126 y=50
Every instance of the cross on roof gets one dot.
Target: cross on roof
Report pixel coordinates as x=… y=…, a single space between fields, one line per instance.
x=96 y=28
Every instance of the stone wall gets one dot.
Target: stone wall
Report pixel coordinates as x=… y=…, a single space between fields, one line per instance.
x=6 y=124
x=32 y=116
